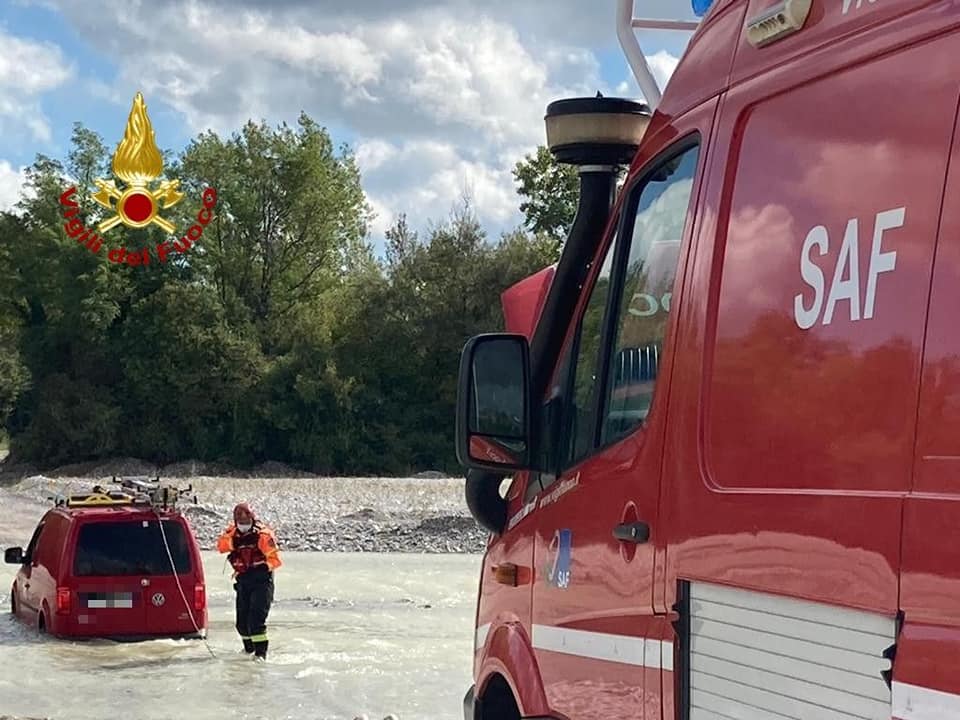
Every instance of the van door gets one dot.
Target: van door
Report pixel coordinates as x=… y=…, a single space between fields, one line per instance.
x=927 y=665
x=111 y=574
x=44 y=580
x=596 y=630
x=28 y=587
x=169 y=604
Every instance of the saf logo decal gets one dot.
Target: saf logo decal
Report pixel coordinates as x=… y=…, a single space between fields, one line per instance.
x=849 y=290
x=558 y=571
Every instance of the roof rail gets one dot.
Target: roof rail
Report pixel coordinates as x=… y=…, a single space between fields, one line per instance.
x=134 y=491
x=626 y=26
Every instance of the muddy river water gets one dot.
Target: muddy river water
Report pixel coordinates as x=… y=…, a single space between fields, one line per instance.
x=350 y=634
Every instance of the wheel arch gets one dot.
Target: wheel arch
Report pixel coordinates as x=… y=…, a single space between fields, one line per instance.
x=509 y=655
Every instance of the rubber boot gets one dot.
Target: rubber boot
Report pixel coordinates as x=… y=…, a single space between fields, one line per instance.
x=248 y=645
x=260 y=649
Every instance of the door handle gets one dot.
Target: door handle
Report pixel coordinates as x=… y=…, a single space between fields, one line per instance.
x=635 y=532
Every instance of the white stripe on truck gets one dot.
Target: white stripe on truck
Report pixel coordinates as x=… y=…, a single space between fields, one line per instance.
x=908 y=702
x=481 y=637
x=912 y=702
x=626 y=649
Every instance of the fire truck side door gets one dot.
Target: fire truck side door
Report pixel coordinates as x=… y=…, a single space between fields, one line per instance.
x=596 y=636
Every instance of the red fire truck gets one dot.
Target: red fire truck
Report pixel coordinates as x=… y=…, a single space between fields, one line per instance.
x=731 y=411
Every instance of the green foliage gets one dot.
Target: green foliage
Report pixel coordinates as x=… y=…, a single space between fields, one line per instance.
x=550 y=190
x=290 y=210
x=277 y=336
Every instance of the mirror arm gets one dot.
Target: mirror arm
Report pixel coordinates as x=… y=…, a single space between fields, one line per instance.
x=482 y=492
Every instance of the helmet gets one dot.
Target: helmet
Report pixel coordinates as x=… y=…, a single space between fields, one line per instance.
x=242 y=510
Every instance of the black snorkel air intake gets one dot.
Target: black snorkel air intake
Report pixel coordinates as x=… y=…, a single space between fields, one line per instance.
x=598 y=135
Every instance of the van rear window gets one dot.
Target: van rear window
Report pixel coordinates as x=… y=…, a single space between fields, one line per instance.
x=130 y=548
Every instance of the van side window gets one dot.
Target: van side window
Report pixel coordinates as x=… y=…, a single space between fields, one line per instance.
x=606 y=378
x=581 y=421
x=51 y=543
x=659 y=212
x=31 y=550
x=552 y=429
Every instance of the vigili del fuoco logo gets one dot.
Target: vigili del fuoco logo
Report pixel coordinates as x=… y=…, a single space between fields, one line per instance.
x=140 y=199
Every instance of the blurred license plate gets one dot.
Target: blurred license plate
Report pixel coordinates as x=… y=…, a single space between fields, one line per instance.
x=108 y=600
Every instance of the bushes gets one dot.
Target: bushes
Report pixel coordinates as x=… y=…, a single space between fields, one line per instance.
x=278 y=337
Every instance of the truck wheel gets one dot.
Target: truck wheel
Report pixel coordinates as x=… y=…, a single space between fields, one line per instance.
x=498 y=702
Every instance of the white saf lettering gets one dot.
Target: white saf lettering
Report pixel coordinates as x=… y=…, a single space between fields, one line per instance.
x=845 y=284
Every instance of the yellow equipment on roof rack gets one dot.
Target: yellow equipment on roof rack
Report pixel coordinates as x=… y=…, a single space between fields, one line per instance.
x=136 y=491
x=101 y=498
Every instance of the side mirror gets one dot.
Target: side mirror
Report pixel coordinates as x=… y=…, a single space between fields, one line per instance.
x=493 y=404
x=13 y=556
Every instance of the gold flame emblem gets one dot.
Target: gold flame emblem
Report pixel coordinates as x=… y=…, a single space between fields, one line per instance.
x=137 y=162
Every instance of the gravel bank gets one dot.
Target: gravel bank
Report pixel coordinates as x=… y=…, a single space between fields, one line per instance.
x=425 y=515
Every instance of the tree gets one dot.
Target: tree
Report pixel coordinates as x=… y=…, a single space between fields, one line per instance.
x=277 y=336
x=436 y=293
x=290 y=216
x=550 y=190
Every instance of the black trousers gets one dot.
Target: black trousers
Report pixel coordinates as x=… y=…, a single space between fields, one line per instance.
x=254 y=597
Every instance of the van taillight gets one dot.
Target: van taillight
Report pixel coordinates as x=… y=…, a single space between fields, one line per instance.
x=63 y=600
x=199 y=597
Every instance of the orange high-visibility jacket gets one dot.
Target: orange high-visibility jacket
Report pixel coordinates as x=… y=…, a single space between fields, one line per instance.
x=253 y=548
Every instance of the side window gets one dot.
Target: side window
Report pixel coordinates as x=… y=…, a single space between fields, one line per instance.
x=643 y=305
x=31 y=550
x=551 y=429
x=581 y=422
x=611 y=366
x=48 y=549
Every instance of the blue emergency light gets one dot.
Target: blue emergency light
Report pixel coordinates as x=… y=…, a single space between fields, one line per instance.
x=700 y=7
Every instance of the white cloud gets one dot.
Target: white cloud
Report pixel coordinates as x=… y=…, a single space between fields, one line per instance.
x=400 y=77
x=371 y=154
x=440 y=97
x=662 y=64
x=28 y=69
x=444 y=176
x=11 y=185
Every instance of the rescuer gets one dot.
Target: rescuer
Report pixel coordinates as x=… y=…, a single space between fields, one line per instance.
x=254 y=555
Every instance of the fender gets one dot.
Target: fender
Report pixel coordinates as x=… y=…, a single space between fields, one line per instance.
x=522 y=302
x=509 y=653
x=26 y=607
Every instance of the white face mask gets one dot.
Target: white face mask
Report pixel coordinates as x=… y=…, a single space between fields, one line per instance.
x=244 y=527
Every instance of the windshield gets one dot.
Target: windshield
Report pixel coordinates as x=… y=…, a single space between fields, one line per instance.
x=130 y=548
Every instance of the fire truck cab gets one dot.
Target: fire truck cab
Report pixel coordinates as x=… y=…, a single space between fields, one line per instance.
x=731 y=411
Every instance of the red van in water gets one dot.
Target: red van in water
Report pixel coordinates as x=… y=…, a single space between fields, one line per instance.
x=101 y=565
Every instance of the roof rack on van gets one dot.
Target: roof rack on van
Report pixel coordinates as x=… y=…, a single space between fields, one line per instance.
x=626 y=26
x=133 y=491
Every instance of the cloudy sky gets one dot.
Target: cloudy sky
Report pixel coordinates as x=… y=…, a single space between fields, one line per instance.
x=436 y=97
